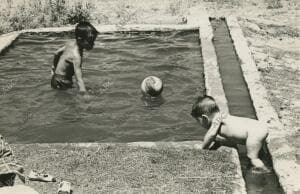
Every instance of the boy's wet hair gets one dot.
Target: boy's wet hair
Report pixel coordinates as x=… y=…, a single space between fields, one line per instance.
x=204 y=105
x=86 y=30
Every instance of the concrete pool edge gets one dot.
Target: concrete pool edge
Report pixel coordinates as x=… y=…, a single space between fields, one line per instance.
x=282 y=154
x=119 y=28
x=213 y=80
x=7 y=39
x=236 y=185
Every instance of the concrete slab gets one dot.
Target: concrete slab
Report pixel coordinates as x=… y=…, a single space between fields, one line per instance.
x=143 y=167
x=118 y=28
x=7 y=39
x=213 y=82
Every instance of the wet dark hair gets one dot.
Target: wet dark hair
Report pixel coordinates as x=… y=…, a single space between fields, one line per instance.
x=204 y=105
x=85 y=30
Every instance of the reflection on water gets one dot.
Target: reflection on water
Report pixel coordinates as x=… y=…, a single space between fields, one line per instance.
x=152 y=102
x=116 y=111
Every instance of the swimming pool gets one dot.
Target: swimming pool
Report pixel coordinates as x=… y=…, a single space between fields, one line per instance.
x=31 y=111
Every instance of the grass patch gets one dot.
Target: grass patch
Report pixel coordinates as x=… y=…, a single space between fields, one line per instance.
x=110 y=168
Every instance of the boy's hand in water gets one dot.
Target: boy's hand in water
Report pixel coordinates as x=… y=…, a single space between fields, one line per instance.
x=85 y=95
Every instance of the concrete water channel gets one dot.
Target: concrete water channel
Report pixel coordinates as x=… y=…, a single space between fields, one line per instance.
x=256 y=106
x=240 y=104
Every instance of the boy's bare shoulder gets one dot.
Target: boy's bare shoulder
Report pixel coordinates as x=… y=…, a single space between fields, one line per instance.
x=70 y=43
x=70 y=46
x=71 y=50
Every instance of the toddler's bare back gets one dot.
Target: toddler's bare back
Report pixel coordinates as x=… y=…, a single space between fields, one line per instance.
x=240 y=128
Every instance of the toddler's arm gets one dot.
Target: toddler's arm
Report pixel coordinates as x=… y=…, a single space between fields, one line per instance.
x=212 y=132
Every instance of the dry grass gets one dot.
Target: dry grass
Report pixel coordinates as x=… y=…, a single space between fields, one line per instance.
x=110 y=168
x=18 y=15
x=21 y=14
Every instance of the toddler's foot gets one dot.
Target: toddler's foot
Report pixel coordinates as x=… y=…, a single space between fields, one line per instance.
x=260 y=170
x=259 y=166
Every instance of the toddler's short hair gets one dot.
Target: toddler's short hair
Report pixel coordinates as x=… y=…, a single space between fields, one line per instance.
x=86 y=30
x=204 y=105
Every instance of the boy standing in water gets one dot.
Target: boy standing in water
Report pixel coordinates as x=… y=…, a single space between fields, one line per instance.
x=68 y=59
x=230 y=129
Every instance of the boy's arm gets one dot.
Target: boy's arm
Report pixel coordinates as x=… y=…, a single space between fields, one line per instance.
x=212 y=133
x=57 y=56
x=78 y=74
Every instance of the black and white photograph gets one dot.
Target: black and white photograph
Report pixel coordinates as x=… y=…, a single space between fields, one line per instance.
x=150 y=97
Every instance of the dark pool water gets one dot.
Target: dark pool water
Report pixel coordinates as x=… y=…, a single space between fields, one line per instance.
x=240 y=104
x=31 y=111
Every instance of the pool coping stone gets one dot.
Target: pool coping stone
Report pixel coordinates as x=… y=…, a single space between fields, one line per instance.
x=7 y=39
x=198 y=16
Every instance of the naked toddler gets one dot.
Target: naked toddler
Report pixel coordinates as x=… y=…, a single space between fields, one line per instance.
x=230 y=129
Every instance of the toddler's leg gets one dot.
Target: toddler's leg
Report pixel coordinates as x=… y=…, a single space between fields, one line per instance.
x=253 y=147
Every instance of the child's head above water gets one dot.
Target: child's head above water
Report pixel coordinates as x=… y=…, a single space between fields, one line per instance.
x=85 y=34
x=204 y=106
x=152 y=86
